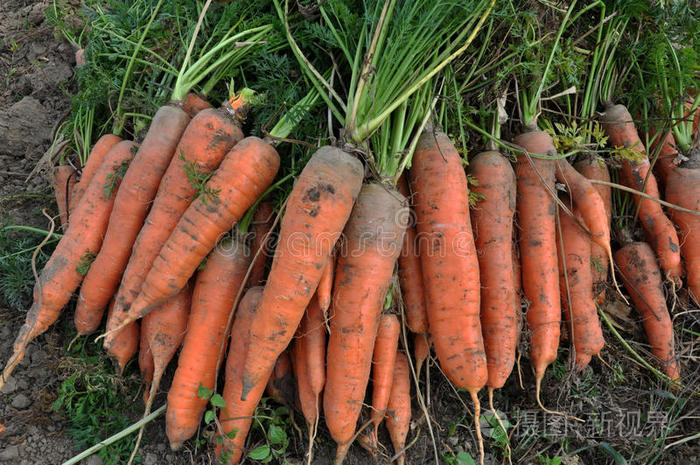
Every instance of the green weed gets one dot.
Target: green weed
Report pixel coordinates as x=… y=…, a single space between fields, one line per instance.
x=16 y=277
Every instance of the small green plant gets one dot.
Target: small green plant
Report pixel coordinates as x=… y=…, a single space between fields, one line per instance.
x=96 y=400
x=16 y=276
x=85 y=262
x=496 y=432
x=113 y=179
x=460 y=458
x=547 y=460
x=273 y=422
x=198 y=180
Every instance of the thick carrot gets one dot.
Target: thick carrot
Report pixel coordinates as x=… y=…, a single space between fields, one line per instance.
x=661 y=234
x=595 y=168
x=165 y=329
x=238 y=415
x=246 y=171
x=263 y=218
x=577 y=301
x=137 y=190
x=683 y=189
x=62 y=274
x=492 y=220
x=280 y=386
x=383 y=360
x=97 y=155
x=372 y=243
x=317 y=209
x=325 y=286
x=398 y=416
x=206 y=140
x=193 y=104
x=642 y=278
x=538 y=249
x=215 y=290
x=411 y=274
x=63 y=180
x=125 y=345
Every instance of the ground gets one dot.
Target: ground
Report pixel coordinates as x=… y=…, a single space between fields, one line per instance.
x=628 y=408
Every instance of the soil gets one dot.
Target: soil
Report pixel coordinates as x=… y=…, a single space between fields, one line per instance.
x=37 y=70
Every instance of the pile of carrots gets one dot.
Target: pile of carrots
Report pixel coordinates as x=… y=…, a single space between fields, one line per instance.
x=332 y=306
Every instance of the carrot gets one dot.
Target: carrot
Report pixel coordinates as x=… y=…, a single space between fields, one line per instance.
x=620 y=128
x=421 y=350
x=642 y=278
x=125 y=346
x=325 y=286
x=411 y=275
x=576 y=285
x=383 y=361
x=238 y=414
x=246 y=171
x=683 y=189
x=145 y=363
x=97 y=155
x=595 y=168
x=206 y=140
x=137 y=190
x=449 y=263
x=319 y=205
x=373 y=239
x=280 y=386
x=193 y=104
x=308 y=401
x=165 y=329
x=215 y=290
x=668 y=158
x=398 y=416
x=62 y=274
x=538 y=250
x=492 y=219
x=263 y=218
x=64 y=179
x=314 y=338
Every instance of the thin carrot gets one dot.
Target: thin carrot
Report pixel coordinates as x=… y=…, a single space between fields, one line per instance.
x=398 y=416
x=642 y=278
x=372 y=241
x=538 y=250
x=319 y=205
x=137 y=190
x=246 y=171
x=449 y=263
x=325 y=286
x=62 y=274
x=63 y=180
x=215 y=290
x=492 y=219
x=383 y=361
x=661 y=234
x=165 y=329
x=145 y=363
x=97 y=155
x=421 y=350
x=125 y=346
x=206 y=140
x=576 y=285
x=314 y=337
x=263 y=218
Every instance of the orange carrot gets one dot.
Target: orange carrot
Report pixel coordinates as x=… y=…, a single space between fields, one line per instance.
x=449 y=263
x=661 y=234
x=538 y=250
x=246 y=171
x=145 y=363
x=642 y=278
x=383 y=360
x=238 y=414
x=263 y=218
x=492 y=219
x=373 y=239
x=206 y=140
x=62 y=274
x=308 y=401
x=595 y=168
x=215 y=290
x=125 y=346
x=398 y=416
x=314 y=338
x=97 y=155
x=64 y=179
x=319 y=205
x=325 y=286
x=193 y=104
x=411 y=275
x=577 y=301
x=165 y=329
x=137 y=190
